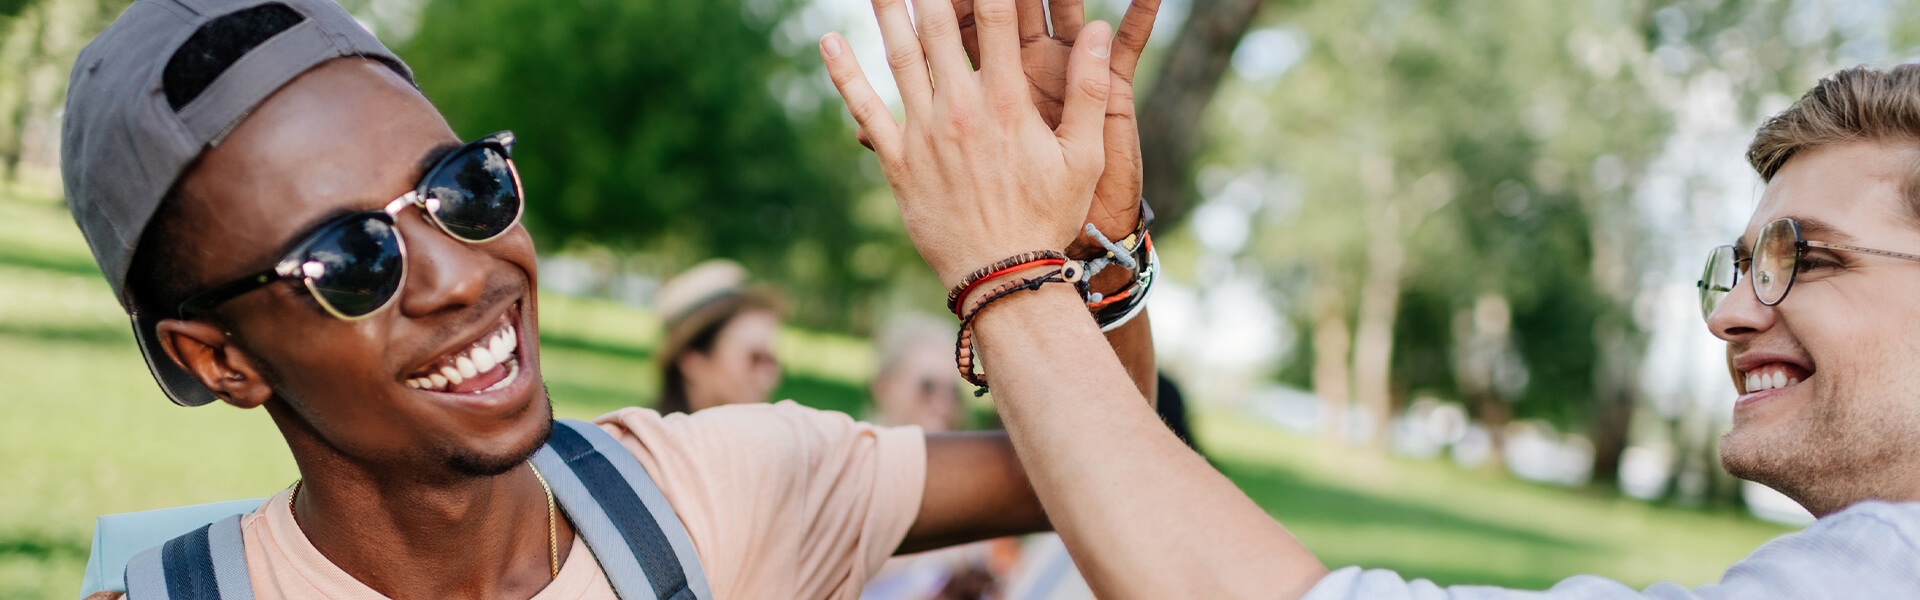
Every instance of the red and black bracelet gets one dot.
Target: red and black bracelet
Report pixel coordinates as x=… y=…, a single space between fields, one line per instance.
x=1070 y=272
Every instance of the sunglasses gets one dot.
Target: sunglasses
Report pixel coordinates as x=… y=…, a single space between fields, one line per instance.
x=1777 y=259
x=356 y=264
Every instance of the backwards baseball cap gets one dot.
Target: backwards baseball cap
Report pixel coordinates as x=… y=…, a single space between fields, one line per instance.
x=164 y=82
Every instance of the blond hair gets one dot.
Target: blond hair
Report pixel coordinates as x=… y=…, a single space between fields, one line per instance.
x=1853 y=105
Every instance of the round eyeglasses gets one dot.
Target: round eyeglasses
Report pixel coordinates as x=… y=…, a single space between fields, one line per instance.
x=1775 y=261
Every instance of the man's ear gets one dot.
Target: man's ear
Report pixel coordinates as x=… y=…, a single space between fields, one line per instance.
x=207 y=351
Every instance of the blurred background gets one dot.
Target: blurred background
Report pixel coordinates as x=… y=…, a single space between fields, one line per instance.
x=1430 y=263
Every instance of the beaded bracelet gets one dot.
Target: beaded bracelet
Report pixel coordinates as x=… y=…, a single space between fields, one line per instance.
x=1072 y=272
x=1004 y=266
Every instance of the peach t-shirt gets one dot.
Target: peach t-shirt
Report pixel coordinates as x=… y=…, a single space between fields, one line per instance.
x=781 y=500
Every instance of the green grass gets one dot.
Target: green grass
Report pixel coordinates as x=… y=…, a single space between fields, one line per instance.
x=84 y=432
x=1455 y=526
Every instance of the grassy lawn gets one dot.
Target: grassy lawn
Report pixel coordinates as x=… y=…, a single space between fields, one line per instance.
x=84 y=431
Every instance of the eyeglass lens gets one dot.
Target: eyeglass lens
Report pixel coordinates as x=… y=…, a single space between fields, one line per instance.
x=1776 y=256
x=354 y=268
x=1718 y=279
x=474 y=195
x=359 y=263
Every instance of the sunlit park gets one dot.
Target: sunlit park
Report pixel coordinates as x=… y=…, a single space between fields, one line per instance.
x=1429 y=266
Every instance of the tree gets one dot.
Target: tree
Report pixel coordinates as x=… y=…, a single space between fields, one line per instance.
x=653 y=126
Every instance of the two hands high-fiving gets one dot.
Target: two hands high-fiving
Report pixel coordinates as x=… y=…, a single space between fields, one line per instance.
x=1017 y=155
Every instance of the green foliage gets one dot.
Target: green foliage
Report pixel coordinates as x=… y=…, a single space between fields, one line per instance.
x=1482 y=124
x=671 y=128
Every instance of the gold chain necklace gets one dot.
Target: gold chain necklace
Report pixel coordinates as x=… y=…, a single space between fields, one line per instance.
x=553 y=528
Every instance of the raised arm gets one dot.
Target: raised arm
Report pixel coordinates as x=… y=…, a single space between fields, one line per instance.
x=980 y=176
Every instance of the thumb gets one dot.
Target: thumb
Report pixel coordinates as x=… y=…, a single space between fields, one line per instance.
x=1088 y=84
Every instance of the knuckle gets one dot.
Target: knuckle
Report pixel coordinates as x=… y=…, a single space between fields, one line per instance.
x=962 y=121
x=870 y=110
x=1095 y=87
x=842 y=77
x=903 y=56
x=938 y=28
x=996 y=13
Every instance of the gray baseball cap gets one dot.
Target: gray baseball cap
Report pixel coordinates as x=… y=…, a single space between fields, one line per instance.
x=167 y=80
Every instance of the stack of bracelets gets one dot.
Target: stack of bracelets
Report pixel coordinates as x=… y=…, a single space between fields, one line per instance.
x=1134 y=253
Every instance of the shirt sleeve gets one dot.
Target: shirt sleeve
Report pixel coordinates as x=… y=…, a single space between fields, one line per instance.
x=782 y=500
x=1867 y=551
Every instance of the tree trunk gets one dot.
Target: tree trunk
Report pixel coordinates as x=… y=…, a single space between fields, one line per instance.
x=1332 y=349
x=1615 y=381
x=1373 y=335
x=1170 y=118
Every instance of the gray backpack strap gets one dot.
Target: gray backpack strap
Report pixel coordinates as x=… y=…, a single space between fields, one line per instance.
x=208 y=563
x=626 y=522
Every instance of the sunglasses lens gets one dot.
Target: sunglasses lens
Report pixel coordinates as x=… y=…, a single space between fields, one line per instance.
x=1774 y=258
x=477 y=195
x=355 y=267
x=1717 y=280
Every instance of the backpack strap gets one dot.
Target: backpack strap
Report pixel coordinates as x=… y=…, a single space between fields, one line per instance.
x=626 y=522
x=208 y=563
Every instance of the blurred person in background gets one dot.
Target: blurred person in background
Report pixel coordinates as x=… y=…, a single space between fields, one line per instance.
x=914 y=383
x=721 y=339
x=1826 y=412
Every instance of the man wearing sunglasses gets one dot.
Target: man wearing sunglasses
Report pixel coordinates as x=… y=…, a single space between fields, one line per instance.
x=291 y=225
x=1827 y=412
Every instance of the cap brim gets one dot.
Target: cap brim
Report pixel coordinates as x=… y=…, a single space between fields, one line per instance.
x=181 y=386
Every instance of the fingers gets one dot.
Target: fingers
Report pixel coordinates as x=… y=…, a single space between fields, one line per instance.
x=1131 y=38
x=1088 y=84
x=904 y=55
x=1068 y=16
x=867 y=107
x=969 y=35
x=940 y=39
x=1033 y=18
x=997 y=22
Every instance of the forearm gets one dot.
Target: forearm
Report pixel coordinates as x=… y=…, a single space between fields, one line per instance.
x=976 y=489
x=1133 y=344
x=1143 y=516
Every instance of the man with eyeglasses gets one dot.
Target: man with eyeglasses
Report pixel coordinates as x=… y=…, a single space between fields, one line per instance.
x=292 y=225
x=1828 y=411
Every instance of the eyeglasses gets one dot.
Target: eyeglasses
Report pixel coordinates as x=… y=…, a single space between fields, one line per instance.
x=355 y=265
x=1775 y=262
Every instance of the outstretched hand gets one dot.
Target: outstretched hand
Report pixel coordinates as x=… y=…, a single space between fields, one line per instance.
x=1043 y=58
x=978 y=172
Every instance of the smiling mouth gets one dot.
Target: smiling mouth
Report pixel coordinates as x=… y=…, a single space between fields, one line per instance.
x=488 y=364
x=1773 y=376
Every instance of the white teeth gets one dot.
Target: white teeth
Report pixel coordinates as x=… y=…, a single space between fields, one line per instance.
x=413 y=383
x=483 y=360
x=500 y=348
x=439 y=381
x=513 y=372
x=1779 y=379
x=1753 y=383
x=452 y=375
x=465 y=365
x=1791 y=381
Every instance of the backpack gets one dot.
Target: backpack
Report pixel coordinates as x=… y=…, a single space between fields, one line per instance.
x=614 y=506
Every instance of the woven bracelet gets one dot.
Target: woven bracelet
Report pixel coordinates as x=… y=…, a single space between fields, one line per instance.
x=1072 y=272
x=1004 y=266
